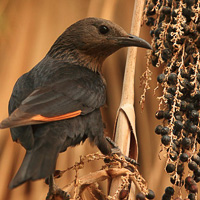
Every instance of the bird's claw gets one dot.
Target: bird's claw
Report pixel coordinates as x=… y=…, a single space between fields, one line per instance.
x=116 y=150
x=55 y=191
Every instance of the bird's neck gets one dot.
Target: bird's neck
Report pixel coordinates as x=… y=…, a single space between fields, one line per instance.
x=77 y=57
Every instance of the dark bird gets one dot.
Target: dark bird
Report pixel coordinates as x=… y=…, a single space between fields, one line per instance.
x=57 y=103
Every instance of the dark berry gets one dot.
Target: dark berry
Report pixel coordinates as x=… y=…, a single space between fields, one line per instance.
x=187 y=12
x=166 y=10
x=155 y=1
x=172 y=90
x=175 y=147
x=166 y=197
x=197 y=172
x=57 y=174
x=167 y=114
x=160 y=114
x=177 y=133
x=194 y=115
x=193 y=188
x=180 y=169
x=166 y=54
x=151 y=33
x=162 y=17
x=186 y=143
x=172 y=180
x=190 y=106
x=183 y=105
x=184 y=157
x=150 y=21
x=173 y=155
x=190 y=49
x=197 y=95
x=165 y=131
x=157 y=32
x=191 y=196
x=169 y=191
x=140 y=196
x=174 y=13
x=189 y=2
x=154 y=60
x=192 y=165
x=150 y=195
x=197 y=179
x=123 y=194
x=158 y=129
x=161 y=78
x=178 y=125
x=192 y=128
x=187 y=85
x=179 y=117
x=172 y=78
x=189 y=181
x=165 y=140
x=169 y=97
x=196 y=159
x=170 y=168
x=150 y=9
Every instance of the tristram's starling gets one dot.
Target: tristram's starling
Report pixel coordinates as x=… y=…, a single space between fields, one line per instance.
x=57 y=103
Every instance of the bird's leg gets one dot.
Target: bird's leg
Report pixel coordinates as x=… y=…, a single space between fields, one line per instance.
x=116 y=150
x=52 y=188
x=55 y=191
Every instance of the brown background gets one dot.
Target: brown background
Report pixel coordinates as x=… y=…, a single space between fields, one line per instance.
x=27 y=30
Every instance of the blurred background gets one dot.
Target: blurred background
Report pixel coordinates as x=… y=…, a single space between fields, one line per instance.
x=28 y=28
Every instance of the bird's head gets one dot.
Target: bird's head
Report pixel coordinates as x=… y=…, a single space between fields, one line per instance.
x=90 y=41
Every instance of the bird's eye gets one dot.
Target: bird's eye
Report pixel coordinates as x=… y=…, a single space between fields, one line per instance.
x=103 y=29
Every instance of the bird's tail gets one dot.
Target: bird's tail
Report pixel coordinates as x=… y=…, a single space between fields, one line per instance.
x=38 y=163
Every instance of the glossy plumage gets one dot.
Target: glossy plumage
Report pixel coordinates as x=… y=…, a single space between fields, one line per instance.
x=57 y=103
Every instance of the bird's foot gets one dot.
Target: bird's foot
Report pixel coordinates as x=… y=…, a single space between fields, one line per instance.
x=55 y=193
x=116 y=150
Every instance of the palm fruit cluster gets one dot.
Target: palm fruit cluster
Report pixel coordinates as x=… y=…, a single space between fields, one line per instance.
x=175 y=31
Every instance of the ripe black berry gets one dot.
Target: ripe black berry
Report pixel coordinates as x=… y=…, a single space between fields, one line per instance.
x=192 y=165
x=140 y=196
x=165 y=140
x=170 y=168
x=172 y=78
x=158 y=129
x=150 y=9
x=194 y=115
x=169 y=191
x=164 y=131
x=196 y=159
x=184 y=157
x=160 y=114
x=180 y=169
x=150 y=21
x=173 y=155
x=161 y=78
x=186 y=143
x=178 y=125
x=191 y=196
x=150 y=195
x=166 y=197
x=166 y=54
x=166 y=10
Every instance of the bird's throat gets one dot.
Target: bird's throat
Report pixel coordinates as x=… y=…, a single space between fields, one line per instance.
x=76 y=57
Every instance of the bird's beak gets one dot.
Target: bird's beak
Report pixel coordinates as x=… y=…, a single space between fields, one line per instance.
x=132 y=40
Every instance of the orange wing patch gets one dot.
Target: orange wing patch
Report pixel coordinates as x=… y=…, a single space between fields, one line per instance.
x=56 y=118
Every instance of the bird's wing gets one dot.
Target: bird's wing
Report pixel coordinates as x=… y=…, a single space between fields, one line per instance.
x=61 y=100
